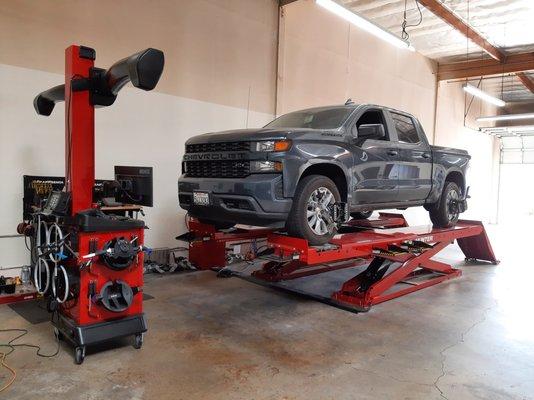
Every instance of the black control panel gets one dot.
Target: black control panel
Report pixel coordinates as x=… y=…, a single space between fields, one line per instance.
x=58 y=203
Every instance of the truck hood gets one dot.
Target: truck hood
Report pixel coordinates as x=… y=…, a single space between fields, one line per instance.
x=245 y=135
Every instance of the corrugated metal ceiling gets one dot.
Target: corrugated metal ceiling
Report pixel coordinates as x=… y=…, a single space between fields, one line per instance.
x=507 y=24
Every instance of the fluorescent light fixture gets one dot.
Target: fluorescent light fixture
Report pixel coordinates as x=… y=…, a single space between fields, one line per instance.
x=364 y=24
x=506 y=117
x=483 y=95
x=510 y=131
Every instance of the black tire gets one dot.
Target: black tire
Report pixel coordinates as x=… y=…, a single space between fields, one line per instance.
x=361 y=214
x=58 y=334
x=216 y=224
x=443 y=214
x=297 y=221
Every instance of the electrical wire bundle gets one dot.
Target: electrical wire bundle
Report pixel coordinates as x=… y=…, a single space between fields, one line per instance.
x=47 y=245
x=405 y=35
x=12 y=346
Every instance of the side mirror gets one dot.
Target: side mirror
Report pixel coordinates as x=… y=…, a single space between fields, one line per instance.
x=371 y=131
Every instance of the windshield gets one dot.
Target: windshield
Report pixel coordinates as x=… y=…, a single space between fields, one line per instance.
x=315 y=118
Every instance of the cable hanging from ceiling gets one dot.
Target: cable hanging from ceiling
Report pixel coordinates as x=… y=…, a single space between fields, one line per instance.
x=405 y=35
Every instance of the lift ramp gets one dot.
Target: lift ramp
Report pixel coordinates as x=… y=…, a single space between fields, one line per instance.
x=388 y=259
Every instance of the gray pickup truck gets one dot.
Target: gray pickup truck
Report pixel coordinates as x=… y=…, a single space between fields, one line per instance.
x=294 y=170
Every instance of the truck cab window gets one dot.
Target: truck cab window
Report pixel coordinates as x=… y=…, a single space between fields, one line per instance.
x=373 y=117
x=406 y=130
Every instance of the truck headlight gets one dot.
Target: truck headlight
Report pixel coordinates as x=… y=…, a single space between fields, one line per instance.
x=265 y=166
x=271 y=145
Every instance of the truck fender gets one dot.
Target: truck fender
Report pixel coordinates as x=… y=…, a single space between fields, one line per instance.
x=333 y=169
x=440 y=176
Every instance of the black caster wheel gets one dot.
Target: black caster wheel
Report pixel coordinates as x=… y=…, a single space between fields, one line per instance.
x=138 y=341
x=58 y=334
x=79 y=355
x=51 y=305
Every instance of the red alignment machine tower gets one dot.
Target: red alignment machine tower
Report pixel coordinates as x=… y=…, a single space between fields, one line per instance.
x=99 y=290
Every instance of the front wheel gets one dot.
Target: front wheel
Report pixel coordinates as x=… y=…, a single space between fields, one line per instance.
x=446 y=212
x=310 y=216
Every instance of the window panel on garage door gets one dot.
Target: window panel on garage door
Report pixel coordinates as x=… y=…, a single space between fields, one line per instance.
x=511 y=156
x=517 y=150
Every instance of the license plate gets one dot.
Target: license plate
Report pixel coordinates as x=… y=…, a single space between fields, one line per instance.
x=201 y=198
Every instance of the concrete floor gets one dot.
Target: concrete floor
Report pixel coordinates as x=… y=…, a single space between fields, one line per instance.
x=209 y=338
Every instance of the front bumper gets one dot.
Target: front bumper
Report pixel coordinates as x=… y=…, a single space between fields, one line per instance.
x=254 y=200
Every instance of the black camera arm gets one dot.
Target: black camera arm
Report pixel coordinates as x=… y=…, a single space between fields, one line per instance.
x=143 y=69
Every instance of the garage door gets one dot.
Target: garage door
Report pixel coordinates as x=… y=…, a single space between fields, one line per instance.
x=517 y=150
x=516 y=192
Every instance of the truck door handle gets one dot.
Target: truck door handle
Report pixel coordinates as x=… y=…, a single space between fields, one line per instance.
x=425 y=155
x=392 y=152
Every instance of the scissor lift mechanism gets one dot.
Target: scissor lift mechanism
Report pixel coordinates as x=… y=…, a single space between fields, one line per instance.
x=399 y=258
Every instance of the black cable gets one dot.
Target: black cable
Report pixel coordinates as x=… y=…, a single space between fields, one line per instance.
x=23 y=332
x=261 y=247
x=12 y=346
x=405 y=35
x=130 y=197
x=33 y=244
x=26 y=243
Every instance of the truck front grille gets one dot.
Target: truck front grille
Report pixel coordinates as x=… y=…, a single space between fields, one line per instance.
x=217 y=147
x=217 y=169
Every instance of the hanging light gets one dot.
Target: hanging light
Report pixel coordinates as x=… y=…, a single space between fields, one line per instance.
x=364 y=24
x=483 y=95
x=506 y=117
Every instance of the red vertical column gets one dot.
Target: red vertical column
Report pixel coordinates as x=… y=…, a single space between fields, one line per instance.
x=79 y=130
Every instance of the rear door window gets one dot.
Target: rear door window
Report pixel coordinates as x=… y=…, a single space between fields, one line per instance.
x=405 y=127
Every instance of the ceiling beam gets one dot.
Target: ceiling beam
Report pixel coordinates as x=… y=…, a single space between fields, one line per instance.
x=529 y=83
x=450 y=17
x=503 y=64
x=472 y=69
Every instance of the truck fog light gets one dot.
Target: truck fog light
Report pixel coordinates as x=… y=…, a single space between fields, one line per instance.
x=265 y=166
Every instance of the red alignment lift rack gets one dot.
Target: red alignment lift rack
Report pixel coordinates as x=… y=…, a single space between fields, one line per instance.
x=398 y=257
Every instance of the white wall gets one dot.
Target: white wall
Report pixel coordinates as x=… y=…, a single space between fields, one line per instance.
x=219 y=51
x=141 y=128
x=323 y=60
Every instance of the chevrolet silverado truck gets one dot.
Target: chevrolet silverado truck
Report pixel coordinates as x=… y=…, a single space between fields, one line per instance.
x=295 y=169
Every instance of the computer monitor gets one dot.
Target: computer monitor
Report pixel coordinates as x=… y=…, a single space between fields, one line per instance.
x=135 y=185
